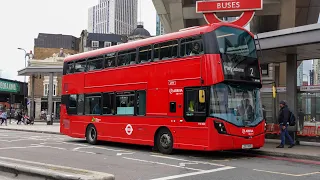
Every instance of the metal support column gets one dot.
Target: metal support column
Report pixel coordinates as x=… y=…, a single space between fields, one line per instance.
x=291 y=81
x=276 y=71
x=50 y=120
x=32 y=98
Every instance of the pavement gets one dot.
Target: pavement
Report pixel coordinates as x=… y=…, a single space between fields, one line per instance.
x=132 y=162
x=40 y=127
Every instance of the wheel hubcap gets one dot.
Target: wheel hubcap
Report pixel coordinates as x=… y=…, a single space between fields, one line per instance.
x=92 y=134
x=165 y=141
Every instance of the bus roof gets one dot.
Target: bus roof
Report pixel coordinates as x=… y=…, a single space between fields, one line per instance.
x=153 y=40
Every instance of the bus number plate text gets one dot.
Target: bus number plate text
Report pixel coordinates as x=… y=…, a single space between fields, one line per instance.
x=247 y=146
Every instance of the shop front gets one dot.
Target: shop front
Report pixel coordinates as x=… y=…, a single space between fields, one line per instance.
x=12 y=95
x=55 y=105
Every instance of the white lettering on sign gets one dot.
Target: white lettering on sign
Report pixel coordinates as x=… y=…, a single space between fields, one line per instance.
x=248 y=131
x=172 y=83
x=201 y=124
x=239 y=50
x=232 y=69
x=228 y=5
x=309 y=88
x=7 y=86
x=129 y=129
x=171 y=91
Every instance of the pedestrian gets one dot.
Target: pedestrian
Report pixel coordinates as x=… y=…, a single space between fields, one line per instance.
x=19 y=117
x=4 y=116
x=283 y=119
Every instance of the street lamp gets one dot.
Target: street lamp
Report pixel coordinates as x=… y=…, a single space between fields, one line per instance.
x=25 y=65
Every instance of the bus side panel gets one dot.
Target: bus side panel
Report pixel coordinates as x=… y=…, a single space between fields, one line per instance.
x=157 y=102
x=65 y=127
x=190 y=136
x=135 y=130
x=73 y=84
x=213 y=69
x=78 y=126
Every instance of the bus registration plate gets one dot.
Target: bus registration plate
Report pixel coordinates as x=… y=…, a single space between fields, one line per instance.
x=247 y=146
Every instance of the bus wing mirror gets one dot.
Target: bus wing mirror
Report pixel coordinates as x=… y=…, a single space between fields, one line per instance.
x=202 y=98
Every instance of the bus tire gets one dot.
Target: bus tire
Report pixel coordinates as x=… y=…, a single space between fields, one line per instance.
x=92 y=134
x=164 y=141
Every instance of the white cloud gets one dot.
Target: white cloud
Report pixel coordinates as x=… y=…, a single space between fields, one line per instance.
x=22 y=21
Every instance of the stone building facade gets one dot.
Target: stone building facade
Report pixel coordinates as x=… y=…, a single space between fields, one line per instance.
x=47 y=57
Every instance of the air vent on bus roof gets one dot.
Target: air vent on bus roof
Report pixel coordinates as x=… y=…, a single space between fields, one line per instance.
x=185 y=29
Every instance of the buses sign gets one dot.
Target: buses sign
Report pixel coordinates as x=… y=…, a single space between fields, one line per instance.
x=247 y=7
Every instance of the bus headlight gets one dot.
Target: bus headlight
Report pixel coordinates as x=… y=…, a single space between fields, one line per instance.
x=220 y=127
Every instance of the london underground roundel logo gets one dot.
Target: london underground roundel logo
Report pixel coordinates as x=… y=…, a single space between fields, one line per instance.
x=129 y=129
x=247 y=7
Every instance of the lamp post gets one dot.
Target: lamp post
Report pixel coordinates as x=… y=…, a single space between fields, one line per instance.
x=25 y=65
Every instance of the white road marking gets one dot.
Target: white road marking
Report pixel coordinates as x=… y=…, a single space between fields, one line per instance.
x=75 y=144
x=178 y=159
x=184 y=164
x=109 y=149
x=92 y=147
x=15 y=140
x=52 y=147
x=50 y=143
x=165 y=164
x=87 y=152
x=77 y=148
x=195 y=173
x=25 y=147
x=120 y=154
x=287 y=174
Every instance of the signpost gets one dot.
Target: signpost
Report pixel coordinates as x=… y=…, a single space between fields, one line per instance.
x=247 y=7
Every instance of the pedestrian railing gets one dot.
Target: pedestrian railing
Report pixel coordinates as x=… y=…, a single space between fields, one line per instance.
x=309 y=131
x=273 y=129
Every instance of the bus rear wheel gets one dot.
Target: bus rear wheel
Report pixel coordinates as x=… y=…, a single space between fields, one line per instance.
x=164 y=141
x=91 y=134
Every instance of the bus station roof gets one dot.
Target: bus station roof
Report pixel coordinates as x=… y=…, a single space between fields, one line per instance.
x=43 y=70
x=303 y=41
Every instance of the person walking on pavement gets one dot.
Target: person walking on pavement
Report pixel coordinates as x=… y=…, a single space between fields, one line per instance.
x=283 y=119
x=4 y=116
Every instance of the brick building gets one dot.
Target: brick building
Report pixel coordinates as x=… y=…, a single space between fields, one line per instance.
x=50 y=49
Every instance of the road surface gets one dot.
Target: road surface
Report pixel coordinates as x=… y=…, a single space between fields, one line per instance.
x=129 y=162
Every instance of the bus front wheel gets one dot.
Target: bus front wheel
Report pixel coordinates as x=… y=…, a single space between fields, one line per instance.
x=91 y=134
x=165 y=141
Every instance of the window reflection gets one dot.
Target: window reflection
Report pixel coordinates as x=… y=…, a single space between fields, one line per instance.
x=238 y=105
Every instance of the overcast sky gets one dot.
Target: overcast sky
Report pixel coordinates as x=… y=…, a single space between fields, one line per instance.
x=22 y=20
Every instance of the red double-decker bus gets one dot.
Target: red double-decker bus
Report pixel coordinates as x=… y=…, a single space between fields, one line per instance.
x=196 y=89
